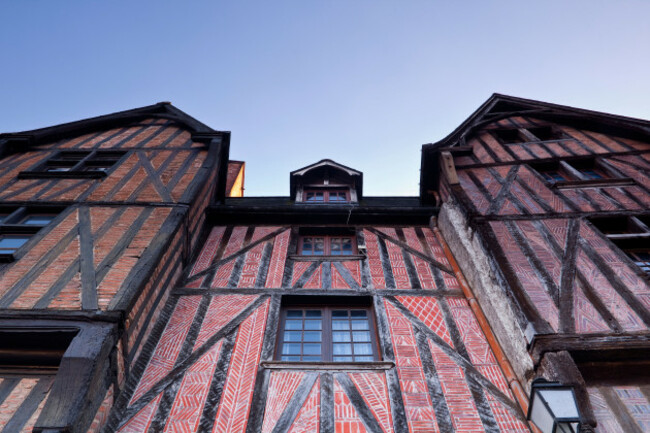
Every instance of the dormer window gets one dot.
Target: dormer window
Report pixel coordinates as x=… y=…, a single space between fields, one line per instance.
x=322 y=195
x=326 y=182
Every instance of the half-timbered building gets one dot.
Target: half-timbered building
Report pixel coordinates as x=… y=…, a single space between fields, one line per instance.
x=140 y=291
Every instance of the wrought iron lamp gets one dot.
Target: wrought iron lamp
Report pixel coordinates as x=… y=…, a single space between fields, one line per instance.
x=553 y=407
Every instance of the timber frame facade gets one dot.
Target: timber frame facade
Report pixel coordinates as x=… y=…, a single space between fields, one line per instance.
x=148 y=295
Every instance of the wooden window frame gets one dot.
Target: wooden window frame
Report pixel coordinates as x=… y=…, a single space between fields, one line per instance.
x=77 y=164
x=13 y=225
x=632 y=239
x=327 y=245
x=327 y=343
x=575 y=173
x=526 y=135
x=326 y=195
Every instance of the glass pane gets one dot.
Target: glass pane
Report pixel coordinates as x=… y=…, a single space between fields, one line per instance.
x=591 y=174
x=337 y=196
x=313 y=313
x=342 y=359
x=360 y=325
x=311 y=358
x=319 y=246
x=294 y=313
x=313 y=324
x=291 y=358
x=3 y=217
x=346 y=247
x=335 y=247
x=314 y=197
x=57 y=169
x=307 y=246
x=311 y=348
x=312 y=336
x=293 y=324
x=291 y=349
x=342 y=349
x=340 y=313
x=363 y=349
x=293 y=336
x=13 y=242
x=361 y=336
x=358 y=313
x=340 y=325
x=37 y=220
x=341 y=336
x=364 y=358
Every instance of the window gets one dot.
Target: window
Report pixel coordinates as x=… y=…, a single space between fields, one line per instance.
x=523 y=135
x=76 y=164
x=630 y=234
x=327 y=334
x=327 y=196
x=546 y=133
x=588 y=171
x=325 y=245
x=508 y=136
x=18 y=225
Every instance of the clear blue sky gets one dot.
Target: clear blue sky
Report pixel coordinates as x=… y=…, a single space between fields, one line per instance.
x=365 y=83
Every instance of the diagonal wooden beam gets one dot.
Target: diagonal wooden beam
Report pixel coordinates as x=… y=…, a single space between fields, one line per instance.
x=411 y=250
x=244 y=250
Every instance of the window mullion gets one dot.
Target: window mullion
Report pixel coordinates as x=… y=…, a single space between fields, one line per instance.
x=572 y=171
x=327 y=349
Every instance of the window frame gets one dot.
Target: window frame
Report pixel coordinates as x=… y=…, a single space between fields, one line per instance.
x=630 y=240
x=326 y=195
x=529 y=134
x=575 y=173
x=327 y=343
x=80 y=167
x=327 y=245
x=12 y=225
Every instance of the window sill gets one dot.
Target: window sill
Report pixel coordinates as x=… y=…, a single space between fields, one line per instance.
x=329 y=366
x=298 y=258
x=592 y=183
x=61 y=175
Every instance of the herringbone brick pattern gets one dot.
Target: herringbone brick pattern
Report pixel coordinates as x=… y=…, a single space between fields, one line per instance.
x=345 y=415
x=234 y=408
x=282 y=386
x=307 y=420
x=373 y=389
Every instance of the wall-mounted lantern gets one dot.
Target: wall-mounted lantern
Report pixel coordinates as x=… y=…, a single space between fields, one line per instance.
x=553 y=407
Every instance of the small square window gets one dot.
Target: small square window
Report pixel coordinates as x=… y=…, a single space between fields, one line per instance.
x=546 y=133
x=330 y=333
x=508 y=136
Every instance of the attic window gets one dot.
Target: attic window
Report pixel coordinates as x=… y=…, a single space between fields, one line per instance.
x=631 y=235
x=508 y=136
x=18 y=225
x=588 y=172
x=546 y=133
x=524 y=135
x=76 y=164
